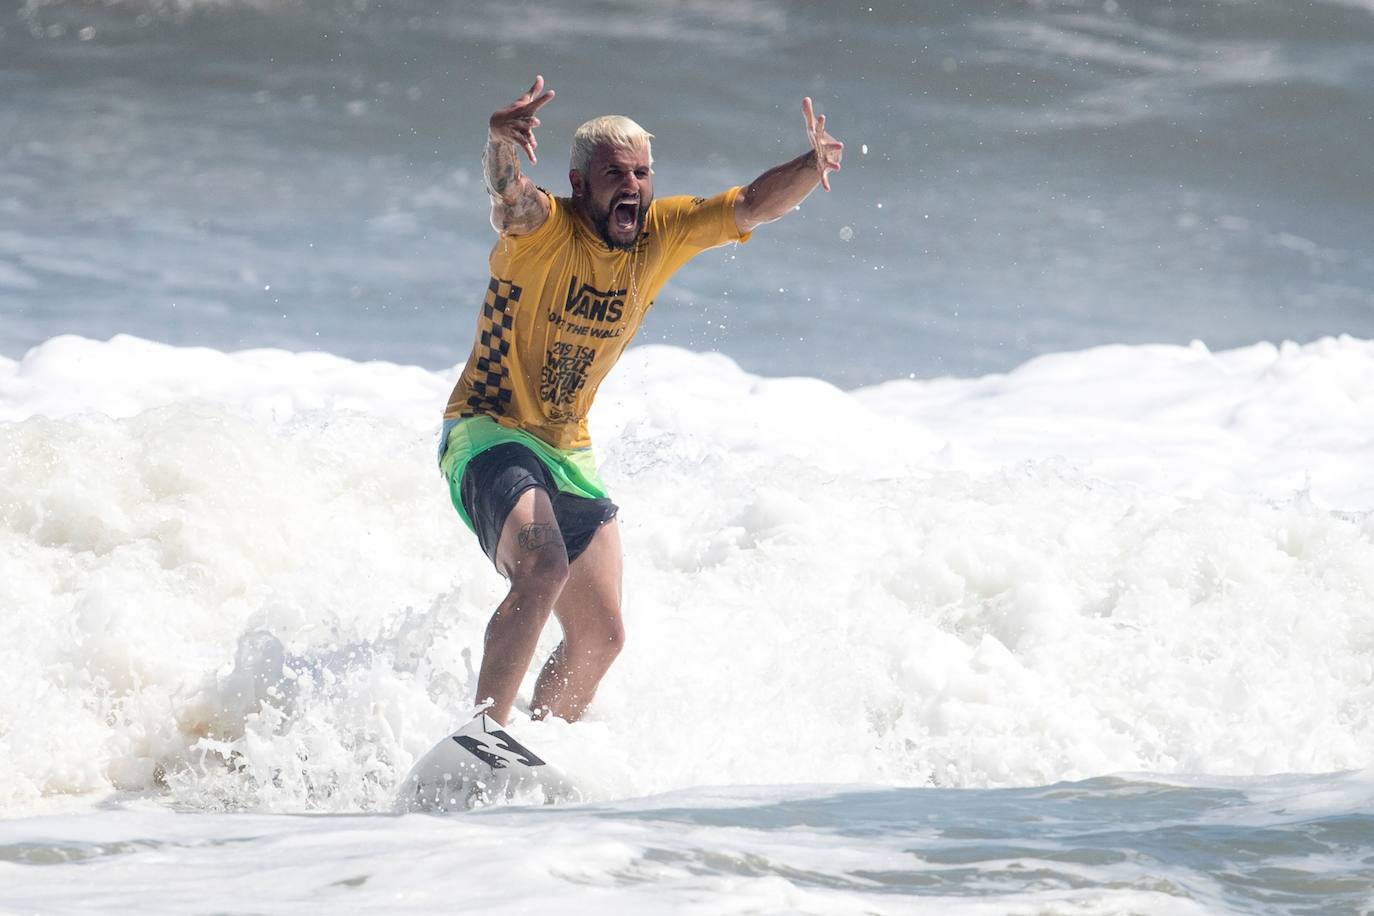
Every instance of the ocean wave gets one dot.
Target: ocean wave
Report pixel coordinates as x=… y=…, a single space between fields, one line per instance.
x=235 y=578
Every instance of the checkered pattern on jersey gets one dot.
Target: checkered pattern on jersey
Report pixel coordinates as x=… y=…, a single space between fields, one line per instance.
x=491 y=390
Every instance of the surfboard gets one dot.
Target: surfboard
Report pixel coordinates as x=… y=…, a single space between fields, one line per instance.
x=480 y=764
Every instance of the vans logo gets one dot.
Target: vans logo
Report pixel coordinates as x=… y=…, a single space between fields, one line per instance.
x=592 y=304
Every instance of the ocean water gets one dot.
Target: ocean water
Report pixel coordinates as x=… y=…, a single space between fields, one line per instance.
x=1100 y=846
x=1093 y=636
x=1004 y=548
x=1020 y=177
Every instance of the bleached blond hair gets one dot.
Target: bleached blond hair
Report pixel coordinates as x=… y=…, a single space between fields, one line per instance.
x=616 y=130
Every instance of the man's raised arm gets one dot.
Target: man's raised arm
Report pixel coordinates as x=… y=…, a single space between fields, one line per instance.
x=782 y=187
x=517 y=206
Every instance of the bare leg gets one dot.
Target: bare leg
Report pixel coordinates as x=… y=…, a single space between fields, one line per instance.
x=589 y=611
x=531 y=555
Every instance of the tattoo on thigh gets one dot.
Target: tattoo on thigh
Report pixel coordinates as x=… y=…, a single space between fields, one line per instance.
x=537 y=536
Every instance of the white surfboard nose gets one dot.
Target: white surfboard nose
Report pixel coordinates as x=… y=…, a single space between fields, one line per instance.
x=478 y=765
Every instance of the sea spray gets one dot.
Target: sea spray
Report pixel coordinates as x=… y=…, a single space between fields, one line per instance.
x=276 y=608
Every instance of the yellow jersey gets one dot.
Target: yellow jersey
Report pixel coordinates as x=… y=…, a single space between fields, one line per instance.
x=562 y=306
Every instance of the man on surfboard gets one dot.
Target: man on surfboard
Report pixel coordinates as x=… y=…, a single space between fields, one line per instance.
x=571 y=280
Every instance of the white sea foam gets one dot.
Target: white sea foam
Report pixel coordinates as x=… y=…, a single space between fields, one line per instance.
x=236 y=574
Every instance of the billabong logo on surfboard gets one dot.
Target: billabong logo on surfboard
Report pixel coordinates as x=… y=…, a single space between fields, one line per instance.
x=480 y=764
x=495 y=754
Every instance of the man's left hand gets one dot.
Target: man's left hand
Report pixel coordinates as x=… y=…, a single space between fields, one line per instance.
x=828 y=149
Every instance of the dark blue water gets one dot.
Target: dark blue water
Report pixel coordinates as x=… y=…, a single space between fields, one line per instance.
x=1039 y=176
x=1261 y=847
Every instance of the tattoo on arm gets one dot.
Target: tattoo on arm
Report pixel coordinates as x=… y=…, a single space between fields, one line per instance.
x=538 y=536
x=516 y=204
x=501 y=168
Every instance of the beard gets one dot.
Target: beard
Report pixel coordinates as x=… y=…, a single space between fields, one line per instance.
x=602 y=222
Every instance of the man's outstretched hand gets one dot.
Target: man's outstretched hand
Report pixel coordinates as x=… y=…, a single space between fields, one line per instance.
x=516 y=122
x=828 y=149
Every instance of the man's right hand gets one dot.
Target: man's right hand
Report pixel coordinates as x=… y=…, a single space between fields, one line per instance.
x=516 y=122
x=517 y=206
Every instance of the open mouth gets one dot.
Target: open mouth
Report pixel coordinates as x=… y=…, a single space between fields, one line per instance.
x=625 y=215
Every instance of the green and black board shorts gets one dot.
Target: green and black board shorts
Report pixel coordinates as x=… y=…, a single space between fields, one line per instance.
x=489 y=466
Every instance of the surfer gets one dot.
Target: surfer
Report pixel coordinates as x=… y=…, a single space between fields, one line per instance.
x=571 y=280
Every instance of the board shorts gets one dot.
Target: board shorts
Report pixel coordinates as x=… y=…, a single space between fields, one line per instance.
x=489 y=466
